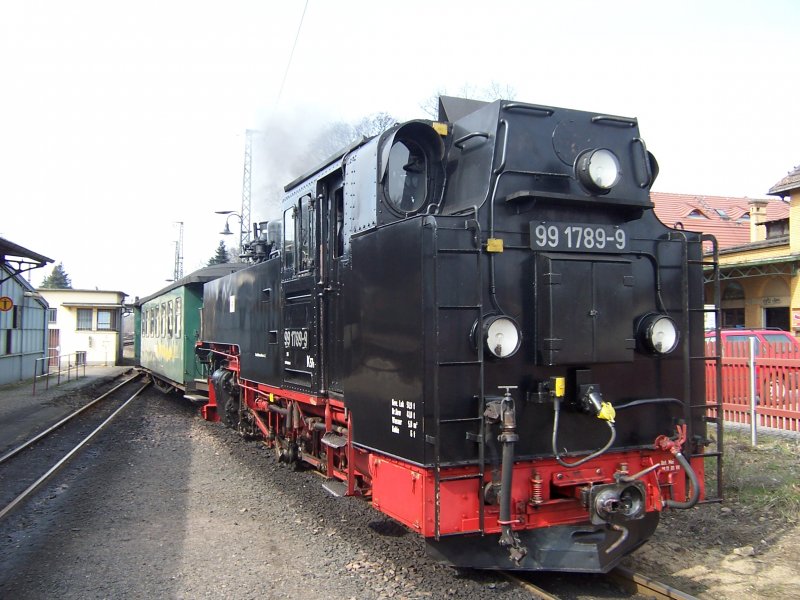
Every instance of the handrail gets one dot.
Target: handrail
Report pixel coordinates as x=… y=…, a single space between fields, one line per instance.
x=73 y=362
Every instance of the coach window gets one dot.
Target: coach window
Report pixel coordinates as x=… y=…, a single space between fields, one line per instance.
x=306 y=230
x=170 y=317
x=178 y=317
x=163 y=319
x=288 y=238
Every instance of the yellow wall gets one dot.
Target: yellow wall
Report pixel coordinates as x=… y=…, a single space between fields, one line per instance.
x=794 y=221
x=744 y=257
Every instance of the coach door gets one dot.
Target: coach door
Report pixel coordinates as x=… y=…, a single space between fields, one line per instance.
x=332 y=232
x=299 y=347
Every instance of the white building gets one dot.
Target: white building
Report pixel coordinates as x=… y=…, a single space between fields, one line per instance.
x=85 y=324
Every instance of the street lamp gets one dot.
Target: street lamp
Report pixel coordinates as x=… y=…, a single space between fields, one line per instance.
x=230 y=213
x=243 y=237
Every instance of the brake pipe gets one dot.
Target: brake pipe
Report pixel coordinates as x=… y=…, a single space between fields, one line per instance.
x=674 y=446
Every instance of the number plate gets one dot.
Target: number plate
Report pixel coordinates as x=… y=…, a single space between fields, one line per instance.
x=570 y=237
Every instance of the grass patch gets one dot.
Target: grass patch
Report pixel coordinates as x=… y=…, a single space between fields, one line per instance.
x=765 y=478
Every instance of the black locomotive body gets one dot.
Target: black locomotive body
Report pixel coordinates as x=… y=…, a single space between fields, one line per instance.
x=480 y=324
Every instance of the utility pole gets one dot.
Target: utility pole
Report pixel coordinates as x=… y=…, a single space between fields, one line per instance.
x=178 y=272
x=245 y=212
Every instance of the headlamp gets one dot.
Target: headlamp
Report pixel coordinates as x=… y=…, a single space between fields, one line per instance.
x=501 y=336
x=658 y=333
x=598 y=170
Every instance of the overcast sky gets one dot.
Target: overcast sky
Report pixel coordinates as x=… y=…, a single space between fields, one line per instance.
x=118 y=119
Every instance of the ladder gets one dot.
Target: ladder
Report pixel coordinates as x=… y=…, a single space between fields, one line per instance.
x=470 y=233
x=708 y=263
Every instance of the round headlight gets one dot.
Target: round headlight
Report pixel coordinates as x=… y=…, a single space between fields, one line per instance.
x=501 y=336
x=598 y=169
x=658 y=333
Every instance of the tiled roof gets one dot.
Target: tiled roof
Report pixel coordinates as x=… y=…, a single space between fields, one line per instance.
x=725 y=218
x=787 y=184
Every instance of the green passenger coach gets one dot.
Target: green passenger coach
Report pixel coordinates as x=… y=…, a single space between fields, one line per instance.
x=168 y=325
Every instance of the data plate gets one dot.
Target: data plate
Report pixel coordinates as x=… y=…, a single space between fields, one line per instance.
x=573 y=237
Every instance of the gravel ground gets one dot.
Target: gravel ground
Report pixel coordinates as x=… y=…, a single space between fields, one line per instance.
x=169 y=506
x=172 y=507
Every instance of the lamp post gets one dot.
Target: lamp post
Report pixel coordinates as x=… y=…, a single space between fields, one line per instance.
x=243 y=237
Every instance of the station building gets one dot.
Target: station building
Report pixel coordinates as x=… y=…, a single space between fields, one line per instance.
x=23 y=315
x=85 y=325
x=759 y=251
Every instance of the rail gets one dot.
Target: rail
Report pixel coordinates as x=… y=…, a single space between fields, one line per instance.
x=42 y=368
x=31 y=489
x=638 y=583
x=627 y=580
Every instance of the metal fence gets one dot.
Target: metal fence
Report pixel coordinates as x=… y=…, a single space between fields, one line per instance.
x=63 y=367
x=760 y=384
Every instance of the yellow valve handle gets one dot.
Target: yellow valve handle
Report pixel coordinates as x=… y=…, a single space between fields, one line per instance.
x=607 y=412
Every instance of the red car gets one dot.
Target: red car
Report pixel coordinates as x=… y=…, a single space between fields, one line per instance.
x=776 y=342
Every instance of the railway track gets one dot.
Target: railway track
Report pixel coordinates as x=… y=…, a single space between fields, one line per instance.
x=43 y=449
x=636 y=584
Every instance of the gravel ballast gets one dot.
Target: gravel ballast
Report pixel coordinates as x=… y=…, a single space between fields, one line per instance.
x=167 y=505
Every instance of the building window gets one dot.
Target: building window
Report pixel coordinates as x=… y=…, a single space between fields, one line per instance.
x=777 y=228
x=106 y=320
x=84 y=319
x=732 y=317
x=52 y=315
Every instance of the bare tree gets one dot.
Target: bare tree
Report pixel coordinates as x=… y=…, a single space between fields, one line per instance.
x=491 y=92
x=339 y=135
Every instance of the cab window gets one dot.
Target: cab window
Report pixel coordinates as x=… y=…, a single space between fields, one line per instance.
x=406 y=184
x=288 y=238
x=306 y=232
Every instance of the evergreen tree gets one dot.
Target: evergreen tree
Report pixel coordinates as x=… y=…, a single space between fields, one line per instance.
x=58 y=279
x=221 y=255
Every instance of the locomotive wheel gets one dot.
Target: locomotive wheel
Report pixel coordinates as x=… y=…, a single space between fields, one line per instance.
x=229 y=411
x=294 y=458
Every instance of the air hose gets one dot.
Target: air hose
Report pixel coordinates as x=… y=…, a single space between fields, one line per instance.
x=606 y=413
x=695 y=486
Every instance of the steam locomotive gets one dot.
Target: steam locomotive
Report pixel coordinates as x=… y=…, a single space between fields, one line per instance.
x=479 y=324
